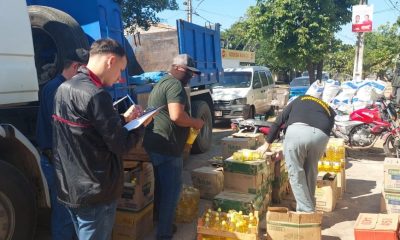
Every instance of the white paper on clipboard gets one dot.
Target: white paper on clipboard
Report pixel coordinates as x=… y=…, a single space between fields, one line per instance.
x=135 y=123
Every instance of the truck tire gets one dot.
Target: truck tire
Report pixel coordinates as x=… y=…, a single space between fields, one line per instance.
x=55 y=35
x=200 y=109
x=18 y=209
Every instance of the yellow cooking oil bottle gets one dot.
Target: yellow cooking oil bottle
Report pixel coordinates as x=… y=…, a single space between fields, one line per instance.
x=191 y=138
x=246 y=155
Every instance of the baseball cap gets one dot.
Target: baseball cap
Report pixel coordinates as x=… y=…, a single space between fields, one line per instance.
x=187 y=61
x=80 y=55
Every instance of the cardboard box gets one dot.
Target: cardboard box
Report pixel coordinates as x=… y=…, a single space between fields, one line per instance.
x=326 y=192
x=137 y=153
x=243 y=183
x=391 y=175
x=247 y=177
x=209 y=181
x=341 y=183
x=284 y=224
x=376 y=226
x=259 y=137
x=140 y=194
x=133 y=225
x=244 y=202
x=247 y=167
x=390 y=202
x=232 y=144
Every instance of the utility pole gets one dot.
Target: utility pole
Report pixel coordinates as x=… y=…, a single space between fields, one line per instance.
x=189 y=10
x=358 y=60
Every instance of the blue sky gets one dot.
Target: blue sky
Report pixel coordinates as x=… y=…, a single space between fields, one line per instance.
x=226 y=12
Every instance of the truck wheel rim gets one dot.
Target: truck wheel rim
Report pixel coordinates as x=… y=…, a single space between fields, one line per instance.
x=7 y=217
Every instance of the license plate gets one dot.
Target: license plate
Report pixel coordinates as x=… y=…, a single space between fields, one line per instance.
x=218 y=113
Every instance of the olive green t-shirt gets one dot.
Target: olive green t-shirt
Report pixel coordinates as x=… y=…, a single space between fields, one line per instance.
x=163 y=136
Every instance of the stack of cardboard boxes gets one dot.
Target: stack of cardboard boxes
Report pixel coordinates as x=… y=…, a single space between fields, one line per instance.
x=331 y=185
x=134 y=218
x=390 y=200
x=247 y=184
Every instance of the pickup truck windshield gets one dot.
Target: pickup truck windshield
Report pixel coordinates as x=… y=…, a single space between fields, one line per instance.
x=234 y=80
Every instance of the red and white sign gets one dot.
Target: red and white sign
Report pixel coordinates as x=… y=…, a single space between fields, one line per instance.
x=362 y=18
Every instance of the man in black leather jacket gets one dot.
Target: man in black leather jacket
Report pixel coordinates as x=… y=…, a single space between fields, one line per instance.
x=88 y=139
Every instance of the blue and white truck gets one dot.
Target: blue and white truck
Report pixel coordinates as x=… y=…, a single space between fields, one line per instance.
x=36 y=34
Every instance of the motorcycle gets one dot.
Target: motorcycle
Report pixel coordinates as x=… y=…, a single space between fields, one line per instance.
x=368 y=124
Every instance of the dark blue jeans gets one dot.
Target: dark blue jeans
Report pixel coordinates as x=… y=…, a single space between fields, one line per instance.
x=168 y=184
x=94 y=222
x=62 y=227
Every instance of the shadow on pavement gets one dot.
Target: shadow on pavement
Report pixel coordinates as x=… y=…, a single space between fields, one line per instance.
x=357 y=198
x=222 y=124
x=373 y=154
x=330 y=238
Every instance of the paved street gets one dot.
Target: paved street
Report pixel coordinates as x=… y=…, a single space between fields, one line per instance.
x=364 y=172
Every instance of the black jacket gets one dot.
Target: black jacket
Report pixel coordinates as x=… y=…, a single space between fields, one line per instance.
x=88 y=138
x=304 y=109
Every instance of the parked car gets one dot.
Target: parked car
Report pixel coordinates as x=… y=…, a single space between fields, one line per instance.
x=243 y=92
x=299 y=86
x=325 y=75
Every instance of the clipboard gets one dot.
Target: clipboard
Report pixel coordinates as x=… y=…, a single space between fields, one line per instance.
x=148 y=113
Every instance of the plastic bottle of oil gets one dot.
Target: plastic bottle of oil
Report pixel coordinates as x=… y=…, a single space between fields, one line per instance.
x=232 y=225
x=207 y=223
x=190 y=140
x=320 y=166
x=224 y=226
x=217 y=223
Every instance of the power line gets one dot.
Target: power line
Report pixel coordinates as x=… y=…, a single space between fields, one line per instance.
x=219 y=14
x=195 y=13
x=198 y=5
x=394 y=5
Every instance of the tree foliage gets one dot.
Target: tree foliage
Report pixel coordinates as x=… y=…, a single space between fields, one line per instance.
x=381 y=49
x=294 y=34
x=340 y=59
x=299 y=32
x=142 y=13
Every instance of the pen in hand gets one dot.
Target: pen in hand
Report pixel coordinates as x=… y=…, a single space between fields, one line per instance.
x=133 y=111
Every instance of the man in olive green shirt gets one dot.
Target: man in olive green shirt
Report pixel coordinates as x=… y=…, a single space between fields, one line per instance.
x=165 y=138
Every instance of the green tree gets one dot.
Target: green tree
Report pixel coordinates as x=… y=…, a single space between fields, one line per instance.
x=340 y=59
x=142 y=13
x=297 y=32
x=380 y=49
x=236 y=37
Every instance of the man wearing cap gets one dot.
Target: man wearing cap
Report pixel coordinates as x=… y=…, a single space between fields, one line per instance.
x=165 y=138
x=61 y=223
